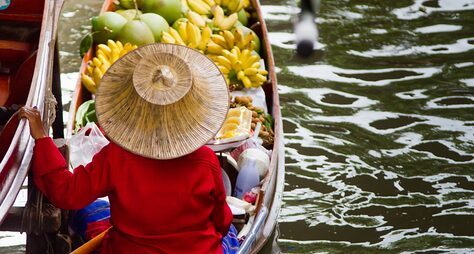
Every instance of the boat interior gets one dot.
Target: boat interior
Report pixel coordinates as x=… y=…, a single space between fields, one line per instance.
x=20 y=26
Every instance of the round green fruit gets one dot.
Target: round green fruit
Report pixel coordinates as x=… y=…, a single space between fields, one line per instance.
x=168 y=9
x=242 y=17
x=136 y=32
x=127 y=4
x=129 y=14
x=156 y=23
x=106 y=26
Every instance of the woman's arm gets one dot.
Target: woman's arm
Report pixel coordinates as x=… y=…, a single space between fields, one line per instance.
x=65 y=189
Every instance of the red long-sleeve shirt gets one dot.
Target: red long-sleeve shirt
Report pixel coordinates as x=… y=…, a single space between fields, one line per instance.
x=157 y=206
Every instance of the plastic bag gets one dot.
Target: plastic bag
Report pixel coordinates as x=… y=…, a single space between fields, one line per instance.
x=85 y=144
x=253 y=142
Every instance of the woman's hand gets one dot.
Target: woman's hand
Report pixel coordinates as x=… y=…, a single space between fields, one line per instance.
x=34 y=118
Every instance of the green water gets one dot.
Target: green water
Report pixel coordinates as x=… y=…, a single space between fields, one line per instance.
x=378 y=122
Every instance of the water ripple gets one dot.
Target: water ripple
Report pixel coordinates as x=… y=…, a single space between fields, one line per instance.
x=421 y=9
x=368 y=77
x=460 y=46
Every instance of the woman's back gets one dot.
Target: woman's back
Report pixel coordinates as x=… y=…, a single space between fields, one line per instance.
x=169 y=201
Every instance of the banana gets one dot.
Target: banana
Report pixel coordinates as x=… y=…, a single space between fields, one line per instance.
x=235 y=6
x=167 y=38
x=229 y=22
x=224 y=2
x=250 y=71
x=103 y=60
x=205 y=36
x=219 y=40
x=218 y=13
x=260 y=78
x=195 y=18
x=112 y=45
x=193 y=35
x=103 y=68
x=119 y=45
x=105 y=55
x=176 y=36
x=224 y=70
x=89 y=69
x=88 y=83
x=96 y=62
x=223 y=61
x=229 y=37
x=97 y=75
x=199 y=6
x=182 y=30
x=255 y=65
x=240 y=67
x=104 y=48
x=210 y=2
x=213 y=48
x=246 y=81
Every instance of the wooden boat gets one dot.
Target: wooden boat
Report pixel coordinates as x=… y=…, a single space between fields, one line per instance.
x=27 y=39
x=269 y=200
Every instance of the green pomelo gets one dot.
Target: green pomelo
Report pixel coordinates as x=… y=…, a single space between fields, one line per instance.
x=136 y=32
x=168 y=9
x=106 y=26
x=129 y=14
x=156 y=23
x=127 y=4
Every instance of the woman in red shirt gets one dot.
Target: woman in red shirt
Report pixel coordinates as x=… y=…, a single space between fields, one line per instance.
x=158 y=105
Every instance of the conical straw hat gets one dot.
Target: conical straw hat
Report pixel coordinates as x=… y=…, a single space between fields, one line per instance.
x=162 y=101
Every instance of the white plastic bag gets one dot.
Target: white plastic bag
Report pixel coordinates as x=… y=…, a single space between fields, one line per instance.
x=85 y=144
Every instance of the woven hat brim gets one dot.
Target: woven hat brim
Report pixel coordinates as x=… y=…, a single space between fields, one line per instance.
x=162 y=131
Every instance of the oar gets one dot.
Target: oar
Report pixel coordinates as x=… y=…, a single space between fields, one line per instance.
x=92 y=244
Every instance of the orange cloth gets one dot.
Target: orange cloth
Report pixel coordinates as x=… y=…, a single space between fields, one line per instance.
x=157 y=206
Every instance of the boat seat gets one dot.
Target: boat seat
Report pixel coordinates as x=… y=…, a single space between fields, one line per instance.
x=20 y=82
x=24 y=11
x=12 y=54
x=4 y=88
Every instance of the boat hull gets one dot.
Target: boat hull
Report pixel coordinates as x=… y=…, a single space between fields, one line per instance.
x=269 y=202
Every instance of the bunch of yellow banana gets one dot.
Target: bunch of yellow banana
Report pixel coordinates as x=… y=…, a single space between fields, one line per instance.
x=188 y=34
x=105 y=56
x=232 y=6
x=243 y=66
x=221 y=21
x=196 y=19
x=202 y=7
x=227 y=40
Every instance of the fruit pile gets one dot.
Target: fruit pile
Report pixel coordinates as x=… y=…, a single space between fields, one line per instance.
x=258 y=115
x=216 y=28
x=105 y=56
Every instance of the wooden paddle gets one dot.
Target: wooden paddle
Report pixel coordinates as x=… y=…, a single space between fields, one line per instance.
x=91 y=245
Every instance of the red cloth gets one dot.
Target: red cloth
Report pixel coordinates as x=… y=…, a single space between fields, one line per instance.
x=157 y=206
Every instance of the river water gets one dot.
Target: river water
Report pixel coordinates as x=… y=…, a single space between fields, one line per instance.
x=378 y=122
